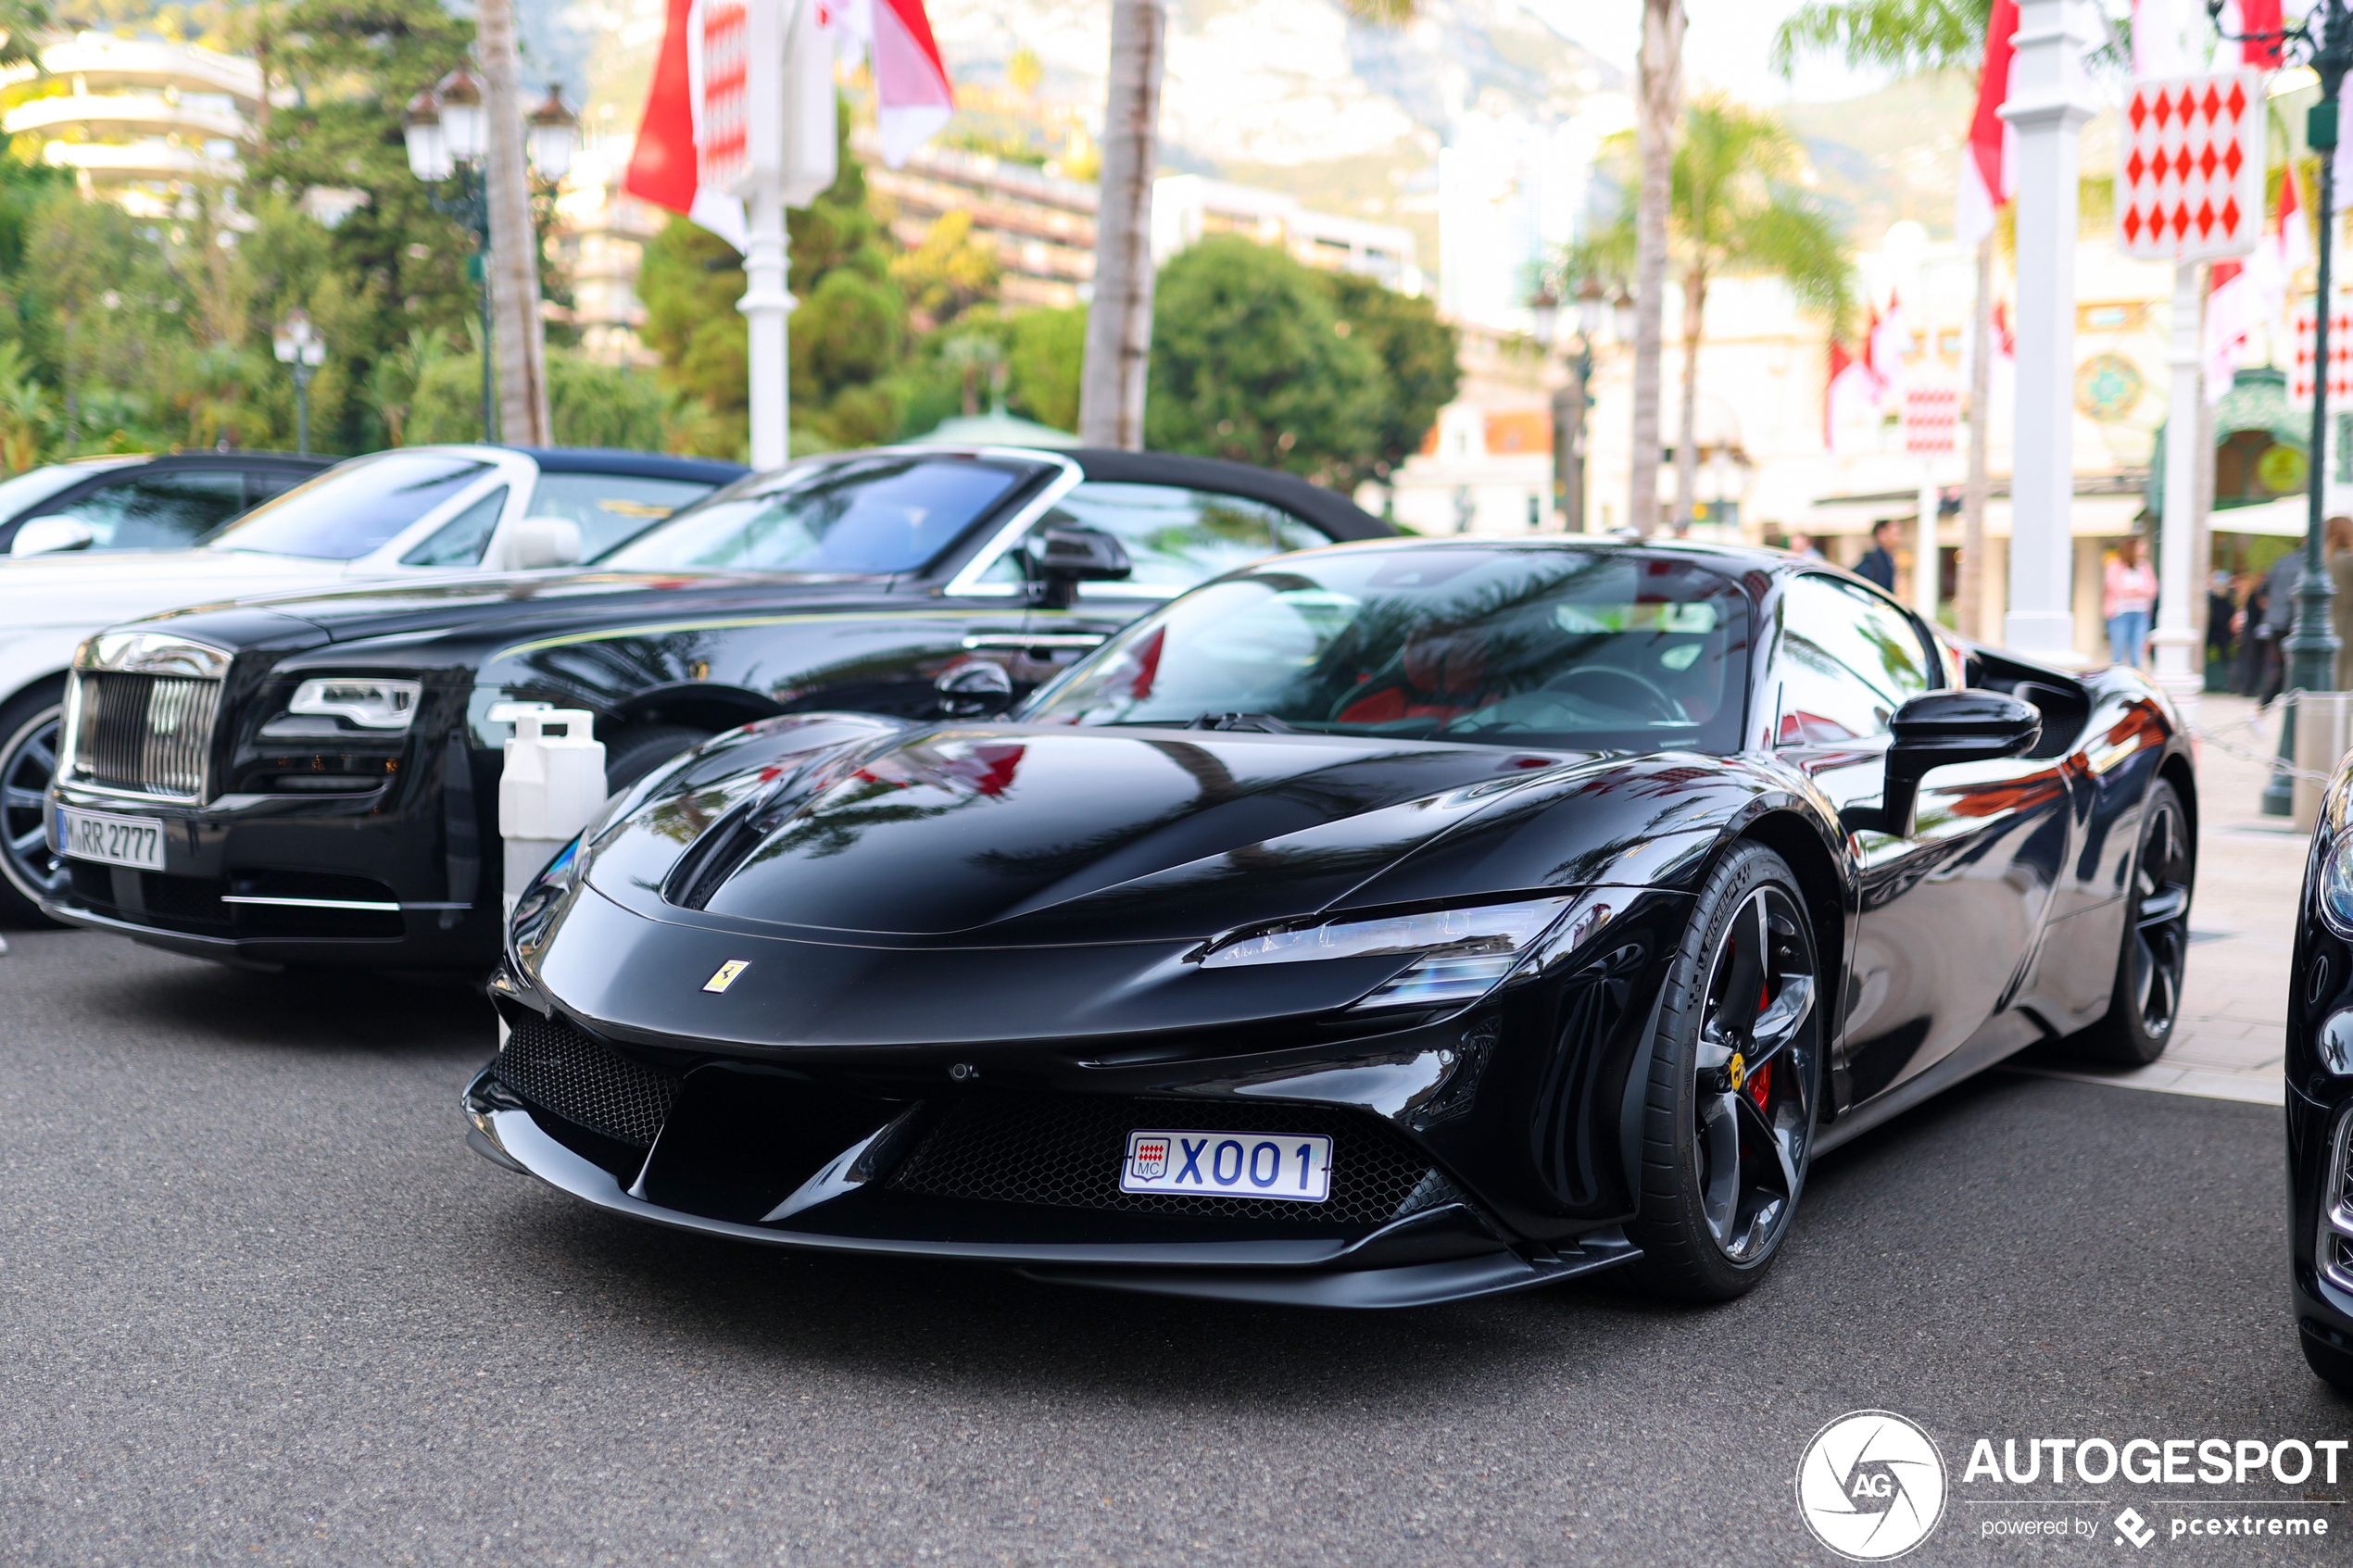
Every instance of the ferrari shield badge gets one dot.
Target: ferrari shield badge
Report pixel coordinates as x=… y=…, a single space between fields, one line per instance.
x=726 y=975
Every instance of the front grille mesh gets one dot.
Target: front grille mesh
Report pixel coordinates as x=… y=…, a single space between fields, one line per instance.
x=147 y=732
x=558 y=1067
x=1066 y=1150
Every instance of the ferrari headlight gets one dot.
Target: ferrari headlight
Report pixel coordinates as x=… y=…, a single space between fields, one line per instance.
x=1462 y=952
x=369 y=703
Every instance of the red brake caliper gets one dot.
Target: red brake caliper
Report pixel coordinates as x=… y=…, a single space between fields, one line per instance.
x=1760 y=1083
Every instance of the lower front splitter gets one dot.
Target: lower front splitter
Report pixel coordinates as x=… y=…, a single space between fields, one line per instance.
x=1307 y=1271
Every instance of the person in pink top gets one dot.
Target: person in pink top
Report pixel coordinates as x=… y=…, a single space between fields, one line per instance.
x=2128 y=595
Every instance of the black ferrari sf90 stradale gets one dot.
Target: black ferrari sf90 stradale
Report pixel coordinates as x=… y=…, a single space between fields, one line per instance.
x=1378 y=925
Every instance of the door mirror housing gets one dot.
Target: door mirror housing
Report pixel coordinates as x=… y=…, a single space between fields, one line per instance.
x=49 y=535
x=539 y=542
x=1937 y=728
x=979 y=689
x=1063 y=555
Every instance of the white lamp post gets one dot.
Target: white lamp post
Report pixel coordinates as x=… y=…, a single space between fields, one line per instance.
x=300 y=348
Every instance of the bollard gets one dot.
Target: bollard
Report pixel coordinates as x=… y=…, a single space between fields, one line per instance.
x=553 y=782
x=2323 y=732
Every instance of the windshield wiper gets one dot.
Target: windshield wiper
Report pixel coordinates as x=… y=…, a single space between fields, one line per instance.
x=1267 y=722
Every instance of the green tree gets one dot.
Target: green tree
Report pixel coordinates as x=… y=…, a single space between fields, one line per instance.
x=948 y=273
x=848 y=338
x=1042 y=365
x=1246 y=364
x=1735 y=208
x=1905 y=35
x=1420 y=359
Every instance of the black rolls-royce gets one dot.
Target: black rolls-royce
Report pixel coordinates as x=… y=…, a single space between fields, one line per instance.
x=312 y=779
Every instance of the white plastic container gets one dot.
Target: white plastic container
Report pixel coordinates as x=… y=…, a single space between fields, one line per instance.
x=553 y=782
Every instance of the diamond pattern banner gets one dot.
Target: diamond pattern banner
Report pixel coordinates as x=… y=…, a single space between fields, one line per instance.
x=2190 y=186
x=2299 y=375
x=1932 y=419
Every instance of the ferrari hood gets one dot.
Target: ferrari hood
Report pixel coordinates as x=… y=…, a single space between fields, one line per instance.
x=1005 y=834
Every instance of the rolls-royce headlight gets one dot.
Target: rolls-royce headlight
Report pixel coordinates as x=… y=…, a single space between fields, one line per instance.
x=369 y=703
x=2336 y=885
x=1461 y=952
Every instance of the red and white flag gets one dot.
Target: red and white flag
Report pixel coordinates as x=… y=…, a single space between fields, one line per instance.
x=2258 y=17
x=1850 y=398
x=693 y=154
x=1883 y=348
x=1988 y=165
x=913 y=95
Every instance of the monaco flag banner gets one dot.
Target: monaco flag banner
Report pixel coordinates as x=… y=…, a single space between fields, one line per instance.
x=1932 y=420
x=2299 y=376
x=694 y=154
x=2190 y=183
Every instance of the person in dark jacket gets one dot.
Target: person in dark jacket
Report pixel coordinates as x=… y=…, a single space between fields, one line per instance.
x=2279 y=620
x=1877 y=564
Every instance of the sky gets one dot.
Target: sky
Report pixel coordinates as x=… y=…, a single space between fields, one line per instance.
x=1725 y=46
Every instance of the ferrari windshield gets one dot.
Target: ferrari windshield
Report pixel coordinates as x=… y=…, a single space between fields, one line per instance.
x=866 y=516
x=1525 y=646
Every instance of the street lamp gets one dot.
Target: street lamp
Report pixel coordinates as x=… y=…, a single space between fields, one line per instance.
x=1570 y=401
x=300 y=348
x=448 y=134
x=2311 y=647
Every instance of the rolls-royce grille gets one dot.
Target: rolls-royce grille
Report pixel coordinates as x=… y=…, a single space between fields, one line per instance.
x=145 y=733
x=1066 y=1150
x=558 y=1067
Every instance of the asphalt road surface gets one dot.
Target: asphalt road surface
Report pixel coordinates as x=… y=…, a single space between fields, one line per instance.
x=258 y=1304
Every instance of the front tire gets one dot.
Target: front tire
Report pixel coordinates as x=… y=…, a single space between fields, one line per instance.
x=2330 y=1365
x=2146 y=1001
x=31 y=724
x=1735 y=1078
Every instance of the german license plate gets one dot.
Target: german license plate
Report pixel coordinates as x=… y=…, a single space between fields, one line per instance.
x=118 y=841
x=1297 y=1166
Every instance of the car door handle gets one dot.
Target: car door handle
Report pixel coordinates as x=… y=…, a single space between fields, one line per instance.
x=1037 y=640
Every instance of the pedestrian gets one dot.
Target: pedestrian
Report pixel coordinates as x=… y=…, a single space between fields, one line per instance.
x=2338 y=537
x=2246 y=673
x=1877 y=564
x=1803 y=544
x=2279 y=618
x=2127 y=594
x=2220 y=609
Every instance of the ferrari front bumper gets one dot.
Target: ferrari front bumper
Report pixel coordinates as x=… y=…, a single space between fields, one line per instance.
x=1446 y=1252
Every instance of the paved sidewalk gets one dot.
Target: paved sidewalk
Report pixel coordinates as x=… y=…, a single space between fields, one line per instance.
x=2250 y=867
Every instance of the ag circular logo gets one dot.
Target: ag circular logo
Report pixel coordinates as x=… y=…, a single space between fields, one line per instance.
x=1870 y=1486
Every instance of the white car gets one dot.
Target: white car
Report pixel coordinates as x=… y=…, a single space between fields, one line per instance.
x=416 y=509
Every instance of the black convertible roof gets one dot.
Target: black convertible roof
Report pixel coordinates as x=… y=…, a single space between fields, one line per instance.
x=1335 y=513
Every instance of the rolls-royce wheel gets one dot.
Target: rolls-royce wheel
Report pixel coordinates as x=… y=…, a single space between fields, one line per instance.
x=2147 y=998
x=635 y=753
x=31 y=724
x=1735 y=1075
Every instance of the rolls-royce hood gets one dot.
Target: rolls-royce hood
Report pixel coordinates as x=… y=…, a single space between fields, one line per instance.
x=1006 y=834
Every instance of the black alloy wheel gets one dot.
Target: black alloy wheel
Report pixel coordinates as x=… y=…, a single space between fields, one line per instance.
x=2146 y=1001
x=30 y=728
x=1734 y=1081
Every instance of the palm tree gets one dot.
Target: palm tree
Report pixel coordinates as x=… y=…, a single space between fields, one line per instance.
x=1119 y=319
x=1657 y=104
x=1915 y=35
x=1734 y=208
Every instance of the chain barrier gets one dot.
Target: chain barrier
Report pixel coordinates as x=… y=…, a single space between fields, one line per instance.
x=2269 y=759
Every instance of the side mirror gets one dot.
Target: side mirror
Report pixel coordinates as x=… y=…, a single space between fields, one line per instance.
x=1937 y=728
x=48 y=535
x=543 y=541
x=975 y=690
x=1063 y=555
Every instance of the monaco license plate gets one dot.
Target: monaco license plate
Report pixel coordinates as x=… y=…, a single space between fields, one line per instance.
x=118 y=841
x=1297 y=1166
